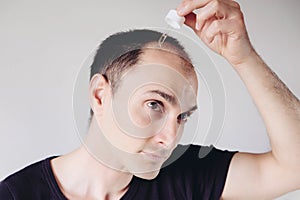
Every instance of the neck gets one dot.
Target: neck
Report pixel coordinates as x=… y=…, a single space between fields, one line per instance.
x=80 y=175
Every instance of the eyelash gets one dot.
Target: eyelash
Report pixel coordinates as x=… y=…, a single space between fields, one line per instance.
x=158 y=103
x=184 y=119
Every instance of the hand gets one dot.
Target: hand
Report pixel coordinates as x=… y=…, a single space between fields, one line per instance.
x=220 y=25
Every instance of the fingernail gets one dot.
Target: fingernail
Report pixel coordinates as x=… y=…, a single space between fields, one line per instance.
x=182 y=9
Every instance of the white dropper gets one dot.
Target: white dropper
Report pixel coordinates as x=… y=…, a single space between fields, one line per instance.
x=174 y=20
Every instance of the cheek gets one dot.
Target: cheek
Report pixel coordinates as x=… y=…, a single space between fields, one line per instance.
x=117 y=137
x=138 y=114
x=120 y=140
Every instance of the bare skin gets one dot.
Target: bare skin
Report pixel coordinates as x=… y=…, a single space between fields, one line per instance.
x=110 y=158
x=220 y=25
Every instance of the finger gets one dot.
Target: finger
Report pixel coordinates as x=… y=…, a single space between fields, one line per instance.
x=215 y=29
x=233 y=4
x=211 y=10
x=214 y=9
x=203 y=32
x=190 y=20
x=188 y=6
x=220 y=28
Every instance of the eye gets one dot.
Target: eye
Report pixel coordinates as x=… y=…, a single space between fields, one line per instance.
x=182 y=118
x=156 y=106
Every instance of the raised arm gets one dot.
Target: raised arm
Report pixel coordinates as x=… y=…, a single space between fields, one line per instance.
x=220 y=25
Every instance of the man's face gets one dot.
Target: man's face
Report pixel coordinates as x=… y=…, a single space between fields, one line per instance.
x=143 y=120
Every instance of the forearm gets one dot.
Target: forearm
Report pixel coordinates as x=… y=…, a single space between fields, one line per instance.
x=279 y=108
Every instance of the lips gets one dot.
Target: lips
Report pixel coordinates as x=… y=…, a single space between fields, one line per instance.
x=156 y=157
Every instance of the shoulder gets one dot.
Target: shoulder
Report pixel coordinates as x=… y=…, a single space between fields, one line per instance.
x=191 y=172
x=29 y=174
x=199 y=156
x=28 y=181
x=5 y=192
x=200 y=171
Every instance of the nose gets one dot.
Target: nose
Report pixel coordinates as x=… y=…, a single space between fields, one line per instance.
x=169 y=134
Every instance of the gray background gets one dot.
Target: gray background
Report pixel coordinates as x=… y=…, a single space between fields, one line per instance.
x=44 y=43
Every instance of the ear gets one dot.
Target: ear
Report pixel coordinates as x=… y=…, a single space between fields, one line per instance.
x=98 y=90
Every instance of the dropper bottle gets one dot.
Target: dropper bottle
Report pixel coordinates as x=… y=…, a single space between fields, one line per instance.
x=173 y=20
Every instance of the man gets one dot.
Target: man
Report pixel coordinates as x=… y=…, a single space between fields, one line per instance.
x=141 y=94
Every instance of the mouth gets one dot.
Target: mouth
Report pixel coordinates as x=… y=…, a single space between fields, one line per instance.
x=154 y=157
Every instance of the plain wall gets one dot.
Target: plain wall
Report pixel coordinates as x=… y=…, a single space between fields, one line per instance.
x=43 y=45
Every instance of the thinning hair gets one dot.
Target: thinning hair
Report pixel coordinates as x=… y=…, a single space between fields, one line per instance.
x=121 y=51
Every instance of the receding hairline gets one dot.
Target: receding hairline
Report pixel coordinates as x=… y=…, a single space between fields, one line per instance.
x=166 y=47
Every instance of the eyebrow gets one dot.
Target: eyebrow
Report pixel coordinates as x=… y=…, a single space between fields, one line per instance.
x=195 y=107
x=171 y=99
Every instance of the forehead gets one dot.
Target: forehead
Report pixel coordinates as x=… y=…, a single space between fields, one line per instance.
x=164 y=56
x=173 y=59
x=161 y=79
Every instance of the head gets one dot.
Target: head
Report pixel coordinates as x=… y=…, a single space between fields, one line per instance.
x=141 y=95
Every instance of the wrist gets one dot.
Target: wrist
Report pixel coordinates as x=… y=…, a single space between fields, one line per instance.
x=252 y=60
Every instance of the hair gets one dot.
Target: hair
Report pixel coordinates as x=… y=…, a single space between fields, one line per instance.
x=121 y=51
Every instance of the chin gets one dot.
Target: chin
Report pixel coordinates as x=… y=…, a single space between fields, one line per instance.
x=148 y=175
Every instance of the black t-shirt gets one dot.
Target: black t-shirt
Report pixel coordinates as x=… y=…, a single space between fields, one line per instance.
x=195 y=172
